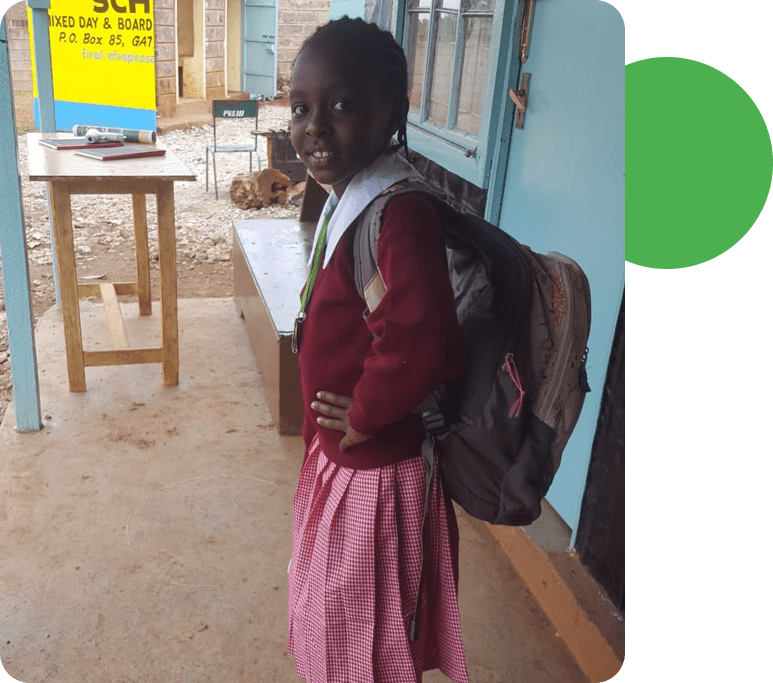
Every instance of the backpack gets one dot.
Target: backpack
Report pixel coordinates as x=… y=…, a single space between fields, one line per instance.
x=499 y=430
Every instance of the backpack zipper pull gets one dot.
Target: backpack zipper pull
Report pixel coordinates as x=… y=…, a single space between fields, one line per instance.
x=509 y=367
x=584 y=386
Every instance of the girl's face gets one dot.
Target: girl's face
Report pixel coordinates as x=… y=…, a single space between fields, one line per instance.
x=341 y=120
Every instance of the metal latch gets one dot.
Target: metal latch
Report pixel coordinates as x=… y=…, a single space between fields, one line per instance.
x=521 y=96
x=521 y=99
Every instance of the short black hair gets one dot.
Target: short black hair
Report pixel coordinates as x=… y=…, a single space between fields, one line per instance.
x=375 y=49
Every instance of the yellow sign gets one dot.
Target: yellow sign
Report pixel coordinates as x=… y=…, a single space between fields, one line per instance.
x=102 y=52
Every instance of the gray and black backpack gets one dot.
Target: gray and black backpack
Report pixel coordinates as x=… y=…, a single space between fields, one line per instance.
x=500 y=429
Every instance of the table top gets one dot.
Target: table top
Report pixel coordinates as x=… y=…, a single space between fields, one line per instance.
x=64 y=164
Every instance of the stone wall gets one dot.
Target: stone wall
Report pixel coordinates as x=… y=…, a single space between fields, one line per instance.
x=17 y=28
x=214 y=49
x=297 y=20
x=166 y=78
x=214 y=54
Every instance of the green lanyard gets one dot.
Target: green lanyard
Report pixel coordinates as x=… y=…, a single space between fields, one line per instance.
x=315 y=262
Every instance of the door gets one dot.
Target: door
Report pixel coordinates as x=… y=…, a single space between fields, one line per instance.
x=564 y=185
x=259 y=54
x=190 y=49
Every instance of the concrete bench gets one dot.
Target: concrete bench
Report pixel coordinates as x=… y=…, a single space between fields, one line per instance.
x=270 y=259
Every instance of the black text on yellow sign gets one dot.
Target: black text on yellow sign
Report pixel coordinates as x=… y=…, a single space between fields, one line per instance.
x=129 y=24
x=99 y=41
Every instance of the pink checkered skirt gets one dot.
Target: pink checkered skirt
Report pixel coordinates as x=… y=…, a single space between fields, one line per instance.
x=354 y=575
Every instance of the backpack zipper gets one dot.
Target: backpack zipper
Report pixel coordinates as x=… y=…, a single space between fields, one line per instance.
x=512 y=370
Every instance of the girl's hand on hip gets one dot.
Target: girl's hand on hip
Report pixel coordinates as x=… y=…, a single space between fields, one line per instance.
x=335 y=415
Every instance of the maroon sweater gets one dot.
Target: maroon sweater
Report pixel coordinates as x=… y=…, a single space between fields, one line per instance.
x=392 y=360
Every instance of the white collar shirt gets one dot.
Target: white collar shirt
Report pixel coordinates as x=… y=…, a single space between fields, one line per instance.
x=365 y=186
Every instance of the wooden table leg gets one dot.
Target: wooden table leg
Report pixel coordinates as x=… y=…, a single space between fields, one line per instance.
x=168 y=272
x=142 y=253
x=61 y=215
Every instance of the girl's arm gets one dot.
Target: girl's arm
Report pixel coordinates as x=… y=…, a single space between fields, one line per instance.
x=417 y=339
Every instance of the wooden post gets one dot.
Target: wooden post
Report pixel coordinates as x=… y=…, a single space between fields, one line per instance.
x=45 y=81
x=141 y=252
x=65 y=254
x=43 y=71
x=168 y=268
x=13 y=254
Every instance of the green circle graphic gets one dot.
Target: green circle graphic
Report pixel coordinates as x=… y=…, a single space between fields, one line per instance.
x=698 y=163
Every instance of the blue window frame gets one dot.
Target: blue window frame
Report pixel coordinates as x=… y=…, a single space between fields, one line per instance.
x=459 y=56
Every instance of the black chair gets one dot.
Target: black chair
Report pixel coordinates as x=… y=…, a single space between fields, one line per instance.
x=231 y=109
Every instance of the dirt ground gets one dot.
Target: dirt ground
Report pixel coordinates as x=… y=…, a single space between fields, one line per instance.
x=111 y=253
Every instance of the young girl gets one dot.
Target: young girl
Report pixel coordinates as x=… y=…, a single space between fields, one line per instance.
x=357 y=517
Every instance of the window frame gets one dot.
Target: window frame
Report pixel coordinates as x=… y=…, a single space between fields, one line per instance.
x=460 y=153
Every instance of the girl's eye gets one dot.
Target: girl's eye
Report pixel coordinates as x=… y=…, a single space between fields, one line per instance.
x=342 y=105
x=298 y=109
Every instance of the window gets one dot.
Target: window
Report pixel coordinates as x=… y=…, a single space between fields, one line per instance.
x=448 y=45
x=459 y=60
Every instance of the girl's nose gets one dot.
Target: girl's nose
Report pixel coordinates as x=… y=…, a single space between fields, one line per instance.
x=318 y=125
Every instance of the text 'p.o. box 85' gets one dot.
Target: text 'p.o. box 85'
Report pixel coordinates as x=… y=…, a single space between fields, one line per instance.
x=103 y=63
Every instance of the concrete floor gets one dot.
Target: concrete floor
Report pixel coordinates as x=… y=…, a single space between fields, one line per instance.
x=146 y=529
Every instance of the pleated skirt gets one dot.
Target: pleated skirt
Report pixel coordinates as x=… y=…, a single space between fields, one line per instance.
x=354 y=575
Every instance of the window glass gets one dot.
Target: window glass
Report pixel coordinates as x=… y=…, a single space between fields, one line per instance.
x=443 y=71
x=479 y=5
x=381 y=13
x=418 y=36
x=449 y=76
x=477 y=56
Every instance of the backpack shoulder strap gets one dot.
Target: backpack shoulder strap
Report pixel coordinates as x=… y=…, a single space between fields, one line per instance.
x=368 y=279
x=370 y=284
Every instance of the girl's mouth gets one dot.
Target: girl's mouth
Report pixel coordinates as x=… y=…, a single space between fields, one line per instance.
x=320 y=155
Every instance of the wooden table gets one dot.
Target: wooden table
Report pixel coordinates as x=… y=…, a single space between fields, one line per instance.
x=67 y=174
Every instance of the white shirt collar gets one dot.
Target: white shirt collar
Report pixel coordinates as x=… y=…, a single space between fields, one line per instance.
x=365 y=186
